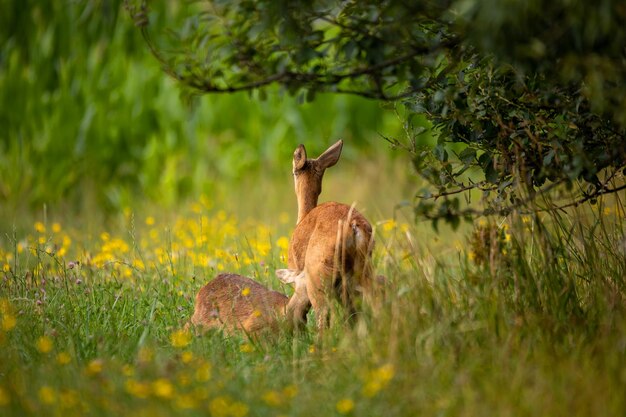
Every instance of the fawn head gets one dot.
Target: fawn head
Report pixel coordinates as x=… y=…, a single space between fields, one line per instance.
x=308 y=174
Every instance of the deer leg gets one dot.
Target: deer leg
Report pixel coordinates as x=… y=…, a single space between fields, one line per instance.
x=346 y=292
x=319 y=288
x=297 y=310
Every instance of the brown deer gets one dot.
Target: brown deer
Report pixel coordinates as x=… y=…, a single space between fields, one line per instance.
x=331 y=244
x=234 y=302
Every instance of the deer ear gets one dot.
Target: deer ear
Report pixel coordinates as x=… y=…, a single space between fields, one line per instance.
x=299 y=158
x=290 y=276
x=331 y=155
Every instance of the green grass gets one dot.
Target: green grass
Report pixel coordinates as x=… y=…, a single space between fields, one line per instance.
x=527 y=321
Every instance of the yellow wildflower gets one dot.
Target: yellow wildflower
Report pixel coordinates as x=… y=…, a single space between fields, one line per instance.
x=238 y=409
x=283 y=242
x=272 y=398
x=56 y=227
x=187 y=356
x=138 y=263
x=128 y=370
x=245 y=292
x=246 y=348
x=8 y=322
x=223 y=406
x=378 y=379
x=137 y=389
x=371 y=388
x=5 y=306
x=180 y=338
x=345 y=406
x=185 y=401
x=203 y=373
x=40 y=227
x=163 y=388
x=44 y=344
x=389 y=225
x=94 y=367
x=47 y=395
x=218 y=407
x=63 y=358
x=385 y=373
x=149 y=220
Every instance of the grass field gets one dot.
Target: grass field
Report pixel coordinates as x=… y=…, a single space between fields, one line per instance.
x=517 y=316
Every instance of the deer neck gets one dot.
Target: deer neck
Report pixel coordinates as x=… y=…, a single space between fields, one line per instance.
x=306 y=203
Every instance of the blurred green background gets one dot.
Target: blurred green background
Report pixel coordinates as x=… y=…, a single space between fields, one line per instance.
x=88 y=119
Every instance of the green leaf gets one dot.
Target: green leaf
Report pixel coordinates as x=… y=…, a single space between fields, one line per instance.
x=454 y=221
x=440 y=153
x=467 y=155
x=486 y=163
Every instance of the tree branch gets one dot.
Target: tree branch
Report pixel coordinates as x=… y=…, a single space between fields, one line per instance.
x=323 y=81
x=511 y=208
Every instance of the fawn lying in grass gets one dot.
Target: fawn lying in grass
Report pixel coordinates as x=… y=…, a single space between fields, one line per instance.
x=234 y=302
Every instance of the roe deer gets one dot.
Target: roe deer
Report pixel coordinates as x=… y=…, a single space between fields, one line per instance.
x=331 y=244
x=234 y=302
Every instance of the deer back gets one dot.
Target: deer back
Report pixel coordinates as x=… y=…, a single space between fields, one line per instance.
x=331 y=232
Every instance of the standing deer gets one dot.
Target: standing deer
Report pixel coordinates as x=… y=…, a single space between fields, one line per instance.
x=331 y=244
x=234 y=302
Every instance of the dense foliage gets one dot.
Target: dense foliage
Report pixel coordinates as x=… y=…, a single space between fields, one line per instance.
x=86 y=116
x=530 y=93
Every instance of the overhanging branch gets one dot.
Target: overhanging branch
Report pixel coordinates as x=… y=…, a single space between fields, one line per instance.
x=325 y=82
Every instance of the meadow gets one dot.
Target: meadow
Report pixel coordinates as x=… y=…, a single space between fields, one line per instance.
x=119 y=200
x=519 y=316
